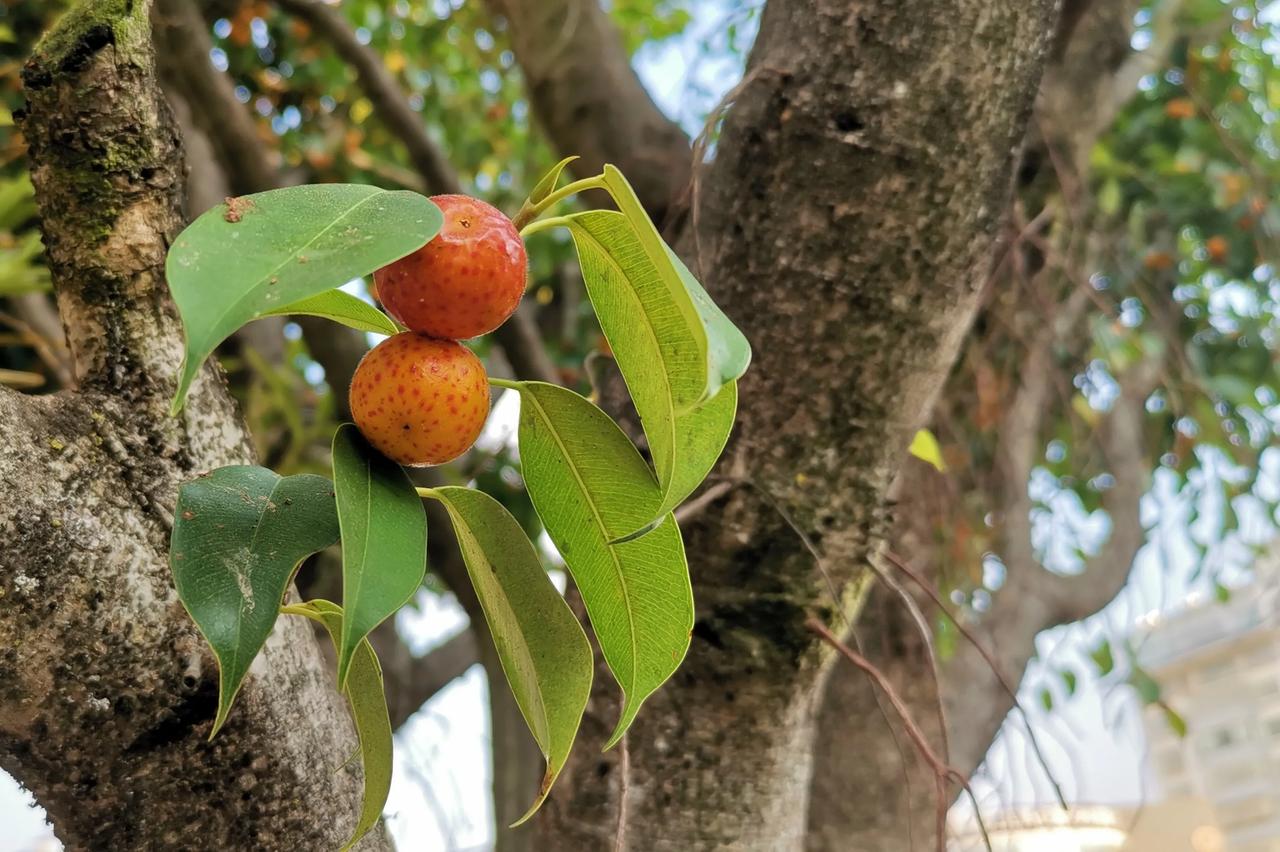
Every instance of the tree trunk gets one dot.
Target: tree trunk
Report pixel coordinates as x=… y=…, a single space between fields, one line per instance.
x=108 y=690
x=1091 y=73
x=846 y=225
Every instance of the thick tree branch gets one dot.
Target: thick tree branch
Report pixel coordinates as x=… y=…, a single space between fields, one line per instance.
x=109 y=690
x=589 y=100
x=846 y=225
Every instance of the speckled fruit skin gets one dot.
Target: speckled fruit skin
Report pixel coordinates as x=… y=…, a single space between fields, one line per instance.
x=463 y=283
x=419 y=400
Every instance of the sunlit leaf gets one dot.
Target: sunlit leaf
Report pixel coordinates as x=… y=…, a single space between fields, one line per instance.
x=925 y=447
x=590 y=486
x=661 y=355
x=343 y=308
x=547 y=183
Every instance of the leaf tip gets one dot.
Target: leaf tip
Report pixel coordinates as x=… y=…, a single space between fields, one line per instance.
x=220 y=719
x=543 y=790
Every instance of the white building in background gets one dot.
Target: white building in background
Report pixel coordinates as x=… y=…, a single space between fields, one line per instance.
x=1088 y=828
x=1218 y=665
x=1174 y=825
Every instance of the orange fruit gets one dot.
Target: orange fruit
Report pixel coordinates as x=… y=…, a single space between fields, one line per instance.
x=466 y=281
x=419 y=400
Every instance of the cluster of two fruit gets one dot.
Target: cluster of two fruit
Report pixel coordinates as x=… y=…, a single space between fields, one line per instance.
x=420 y=397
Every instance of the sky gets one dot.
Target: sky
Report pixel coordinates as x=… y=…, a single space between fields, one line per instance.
x=1093 y=741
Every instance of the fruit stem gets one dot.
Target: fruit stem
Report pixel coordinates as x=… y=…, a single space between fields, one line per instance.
x=428 y=493
x=531 y=212
x=503 y=383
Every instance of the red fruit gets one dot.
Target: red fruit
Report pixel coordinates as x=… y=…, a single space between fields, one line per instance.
x=420 y=400
x=463 y=283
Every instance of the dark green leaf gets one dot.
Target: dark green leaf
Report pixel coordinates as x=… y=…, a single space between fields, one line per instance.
x=238 y=535
x=544 y=653
x=235 y=264
x=384 y=538
x=367 y=698
x=590 y=486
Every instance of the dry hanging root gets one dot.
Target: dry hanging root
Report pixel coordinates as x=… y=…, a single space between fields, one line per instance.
x=943 y=773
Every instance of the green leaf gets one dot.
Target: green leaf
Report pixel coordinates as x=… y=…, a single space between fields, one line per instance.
x=1070 y=681
x=367 y=698
x=723 y=348
x=1103 y=658
x=238 y=535
x=547 y=183
x=1110 y=197
x=1046 y=699
x=544 y=653
x=658 y=353
x=235 y=264
x=384 y=538
x=1147 y=687
x=1174 y=719
x=590 y=486
x=925 y=447
x=341 y=307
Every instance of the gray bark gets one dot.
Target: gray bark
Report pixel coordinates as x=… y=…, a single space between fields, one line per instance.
x=846 y=224
x=107 y=689
x=1091 y=73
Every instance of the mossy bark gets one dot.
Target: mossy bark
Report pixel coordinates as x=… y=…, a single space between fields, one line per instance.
x=107 y=691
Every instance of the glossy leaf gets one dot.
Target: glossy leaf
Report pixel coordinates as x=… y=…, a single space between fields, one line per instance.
x=384 y=538
x=658 y=355
x=590 y=486
x=343 y=308
x=240 y=262
x=238 y=535
x=544 y=653
x=366 y=696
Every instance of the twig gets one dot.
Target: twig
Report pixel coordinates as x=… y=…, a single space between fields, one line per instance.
x=943 y=773
x=901 y=564
x=624 y=782
x=926 y=635
x=43 y=347
x=699 y=504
